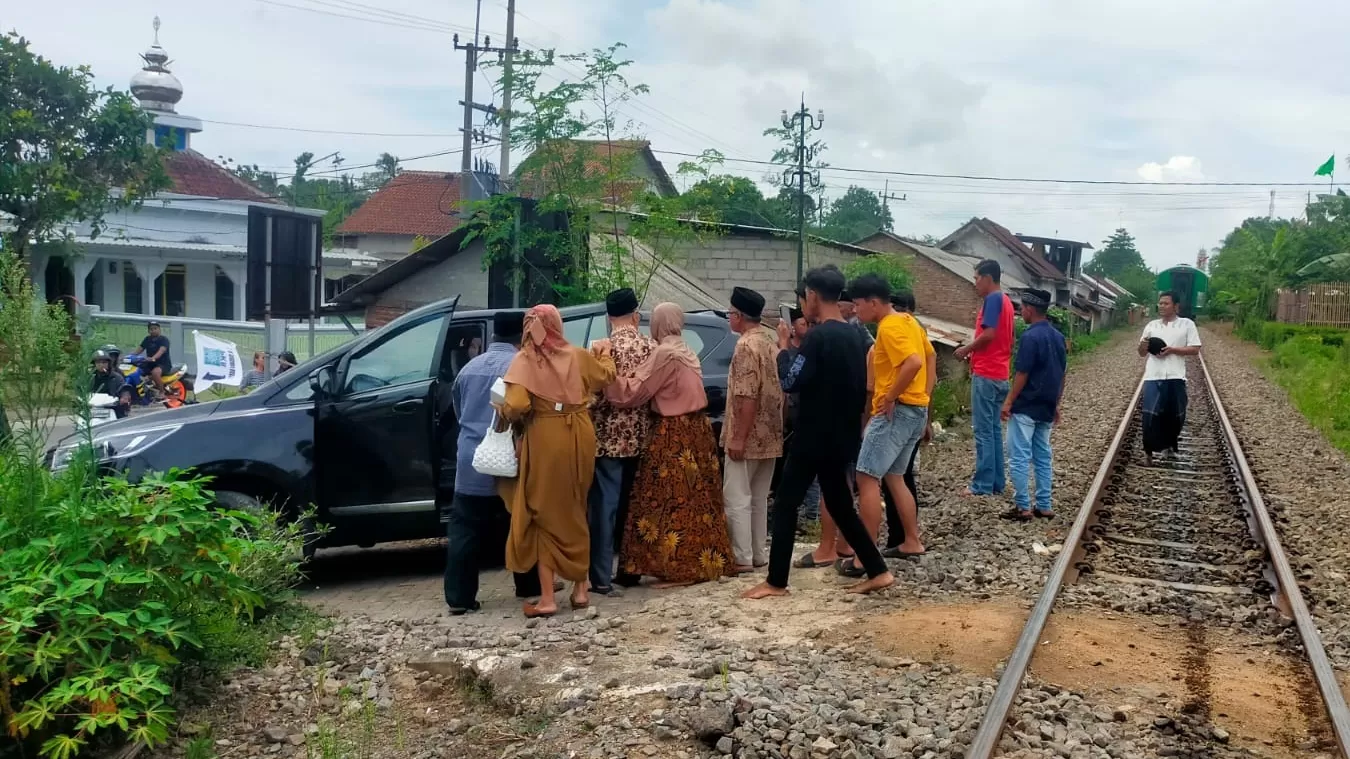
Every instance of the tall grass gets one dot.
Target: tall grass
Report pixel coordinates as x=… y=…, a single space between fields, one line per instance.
x=1313 y=365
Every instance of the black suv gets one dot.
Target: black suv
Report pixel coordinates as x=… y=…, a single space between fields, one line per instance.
x=362 y=431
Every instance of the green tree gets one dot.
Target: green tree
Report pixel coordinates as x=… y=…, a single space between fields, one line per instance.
x=65 y=147
x=1119 y=259
x=729 y=199
x=855 y=215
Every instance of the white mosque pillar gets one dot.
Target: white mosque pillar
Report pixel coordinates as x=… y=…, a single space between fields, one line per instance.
x=239 y=276
x=149 y=271
x=82 y=267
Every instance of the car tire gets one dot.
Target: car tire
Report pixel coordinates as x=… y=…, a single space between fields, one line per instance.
x=229 y=499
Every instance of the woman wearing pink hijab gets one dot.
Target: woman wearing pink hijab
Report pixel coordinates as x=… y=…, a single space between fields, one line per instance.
x=548 y=385
x=676 y=529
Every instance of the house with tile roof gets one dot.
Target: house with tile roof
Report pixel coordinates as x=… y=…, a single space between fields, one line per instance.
x=413 y=204
x=982 y=238
x=184 y=252
x=621 y=169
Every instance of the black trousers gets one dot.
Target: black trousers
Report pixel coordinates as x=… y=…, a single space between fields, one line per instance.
x=630 y=467
x=895 y=531
x=476 y=540
x=831 y=469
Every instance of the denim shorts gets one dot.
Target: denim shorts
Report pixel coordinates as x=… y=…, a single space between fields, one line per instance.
x=888 y=443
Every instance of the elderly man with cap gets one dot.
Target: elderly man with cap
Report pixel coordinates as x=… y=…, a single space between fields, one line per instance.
x=1032 y=406
x=752 y=433
x=621 y=436
x=477 y=522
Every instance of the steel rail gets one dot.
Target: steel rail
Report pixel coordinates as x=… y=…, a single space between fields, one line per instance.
x=996 y=716
x=1332 y=698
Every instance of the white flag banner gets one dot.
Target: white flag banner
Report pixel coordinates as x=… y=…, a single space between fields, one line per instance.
x=217 y=362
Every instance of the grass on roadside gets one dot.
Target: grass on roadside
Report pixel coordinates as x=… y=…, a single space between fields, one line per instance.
x=1312 y=364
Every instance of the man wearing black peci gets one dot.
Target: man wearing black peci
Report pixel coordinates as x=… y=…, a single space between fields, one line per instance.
x=830 y=373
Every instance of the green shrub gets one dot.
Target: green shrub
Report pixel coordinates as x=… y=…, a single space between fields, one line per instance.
x=1313 y=365
x=951 y=399
x=109 y=586
x=894 y=269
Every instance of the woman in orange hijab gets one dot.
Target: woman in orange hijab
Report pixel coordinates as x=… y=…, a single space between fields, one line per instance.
x=676 y=529
x=547 y=387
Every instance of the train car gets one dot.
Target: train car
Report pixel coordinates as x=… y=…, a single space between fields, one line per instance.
x=1191 y=286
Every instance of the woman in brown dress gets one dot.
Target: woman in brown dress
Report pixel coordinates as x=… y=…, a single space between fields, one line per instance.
x=676 y=529
x=547 y=387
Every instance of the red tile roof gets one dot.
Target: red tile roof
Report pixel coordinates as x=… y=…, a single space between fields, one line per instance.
x=597 y=165
x=191 y=173
x=413 y=203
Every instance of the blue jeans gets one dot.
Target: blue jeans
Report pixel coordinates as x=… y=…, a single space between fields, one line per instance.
x=1028 y=448
x=811 y=503
x=602 y=511
x=986 y=402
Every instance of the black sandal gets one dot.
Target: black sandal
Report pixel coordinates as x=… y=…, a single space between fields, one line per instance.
x=1017 y=515
x=808 y=561
x=847 y=566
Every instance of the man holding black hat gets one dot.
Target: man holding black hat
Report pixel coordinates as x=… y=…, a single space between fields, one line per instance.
x=752 y=434
x=620 y=436
x=478 y=521
x=1032 y=406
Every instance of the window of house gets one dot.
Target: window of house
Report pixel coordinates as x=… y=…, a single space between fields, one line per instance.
x=131 y=290
x=171 y=291
x=224 y=295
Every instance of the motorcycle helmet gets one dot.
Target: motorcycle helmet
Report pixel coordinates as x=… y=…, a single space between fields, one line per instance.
x=101 y=355
x=113 y=352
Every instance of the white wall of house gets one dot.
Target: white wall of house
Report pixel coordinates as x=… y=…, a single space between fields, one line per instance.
x=461 y=274
x=388 y=247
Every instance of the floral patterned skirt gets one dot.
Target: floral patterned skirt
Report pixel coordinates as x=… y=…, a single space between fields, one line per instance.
x=676 y=528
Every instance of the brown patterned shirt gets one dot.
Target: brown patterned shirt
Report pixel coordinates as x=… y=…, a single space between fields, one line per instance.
x=754 y=374
x=622 y=433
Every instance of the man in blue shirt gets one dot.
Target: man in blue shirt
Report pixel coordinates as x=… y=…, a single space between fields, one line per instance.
x=1032 y=406
x=478 y=520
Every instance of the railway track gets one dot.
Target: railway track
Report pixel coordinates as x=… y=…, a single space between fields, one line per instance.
x=1194 y=531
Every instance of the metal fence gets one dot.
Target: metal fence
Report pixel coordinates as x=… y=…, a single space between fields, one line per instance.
x=128 y=330
x=1326 y=304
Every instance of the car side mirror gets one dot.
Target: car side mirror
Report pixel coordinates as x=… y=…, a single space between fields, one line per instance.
x=321 y=381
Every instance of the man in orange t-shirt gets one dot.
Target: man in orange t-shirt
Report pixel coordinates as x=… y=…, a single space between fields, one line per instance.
x=990 y=357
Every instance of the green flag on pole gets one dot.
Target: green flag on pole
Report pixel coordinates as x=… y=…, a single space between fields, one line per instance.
x=1327 y=168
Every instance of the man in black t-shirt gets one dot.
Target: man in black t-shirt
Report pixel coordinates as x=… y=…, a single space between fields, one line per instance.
x=829 y=373
x=155 y=348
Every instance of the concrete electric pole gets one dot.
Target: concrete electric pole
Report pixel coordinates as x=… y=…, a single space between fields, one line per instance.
x=471 y=52
x=801 y=122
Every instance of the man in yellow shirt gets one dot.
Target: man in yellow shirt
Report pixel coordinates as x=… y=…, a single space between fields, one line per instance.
x=898 y=409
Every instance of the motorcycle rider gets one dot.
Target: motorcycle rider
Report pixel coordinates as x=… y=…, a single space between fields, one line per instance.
x=108 y=381
x=155 y=349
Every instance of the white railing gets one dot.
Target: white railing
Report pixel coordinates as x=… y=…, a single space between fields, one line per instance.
x=128 y=330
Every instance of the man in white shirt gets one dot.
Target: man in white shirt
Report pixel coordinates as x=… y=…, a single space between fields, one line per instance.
x=1166 y=342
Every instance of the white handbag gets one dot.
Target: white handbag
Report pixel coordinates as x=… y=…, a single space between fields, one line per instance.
x=496 y=455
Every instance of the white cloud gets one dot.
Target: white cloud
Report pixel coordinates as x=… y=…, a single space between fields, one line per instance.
x=1179 y=168
x=1041 y=88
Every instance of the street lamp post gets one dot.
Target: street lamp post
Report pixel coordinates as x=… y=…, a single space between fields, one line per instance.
x=801 y=122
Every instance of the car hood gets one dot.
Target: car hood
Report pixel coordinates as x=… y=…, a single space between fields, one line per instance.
x=149 y=420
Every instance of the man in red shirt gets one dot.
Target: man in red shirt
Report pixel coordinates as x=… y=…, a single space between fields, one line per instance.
x=990 y=354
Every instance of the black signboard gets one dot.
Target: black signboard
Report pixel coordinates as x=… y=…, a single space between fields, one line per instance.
x=290 y=245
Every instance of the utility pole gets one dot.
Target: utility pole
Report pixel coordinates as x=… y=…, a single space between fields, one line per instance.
x=887 y=196
x=801 y=121
x=505 y=112
x=471 y=52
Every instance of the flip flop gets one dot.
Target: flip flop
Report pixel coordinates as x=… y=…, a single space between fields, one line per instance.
x=894 y=552
x=851 y=569
x=1045 y=514
x=1017 y=515
x=579 y=605
x=807 y=561
x=532 y=612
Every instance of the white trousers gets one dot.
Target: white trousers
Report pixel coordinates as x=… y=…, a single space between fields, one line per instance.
x=745 y=493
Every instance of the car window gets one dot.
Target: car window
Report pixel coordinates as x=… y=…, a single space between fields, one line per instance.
x=462 y=342
x=574 y=330
x=299 y=392
x=691 y=338
x=398 y=359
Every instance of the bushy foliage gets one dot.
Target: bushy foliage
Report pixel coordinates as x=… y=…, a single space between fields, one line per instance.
x=894 y=268
x=109 y=585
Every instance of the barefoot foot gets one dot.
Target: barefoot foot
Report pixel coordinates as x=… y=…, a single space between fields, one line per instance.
x=871 y=585
x=764 y=590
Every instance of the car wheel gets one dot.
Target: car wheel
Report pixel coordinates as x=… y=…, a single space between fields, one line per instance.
x=229 y=499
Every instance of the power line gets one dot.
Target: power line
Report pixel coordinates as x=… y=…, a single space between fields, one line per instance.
x=327 y=131
x=1037 y=180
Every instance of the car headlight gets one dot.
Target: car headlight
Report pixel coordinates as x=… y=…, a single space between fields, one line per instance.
x=113 y=446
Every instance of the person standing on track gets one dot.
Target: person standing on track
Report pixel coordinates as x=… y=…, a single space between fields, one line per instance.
x=990 y=354
x=1166 y=343
x=1032 y=406
x=830 y=372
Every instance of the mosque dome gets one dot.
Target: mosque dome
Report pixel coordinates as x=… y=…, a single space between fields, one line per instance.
x=155 y=86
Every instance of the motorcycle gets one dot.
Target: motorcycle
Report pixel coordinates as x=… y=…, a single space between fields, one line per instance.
x=141 y=389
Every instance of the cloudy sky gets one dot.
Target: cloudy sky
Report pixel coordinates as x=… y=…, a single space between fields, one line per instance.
x=1127 y=90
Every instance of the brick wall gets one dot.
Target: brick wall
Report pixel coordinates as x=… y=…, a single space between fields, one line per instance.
x=766 y=264
x=380 y=314
x=938 y=291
